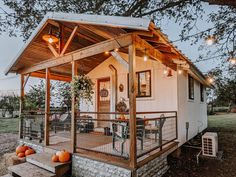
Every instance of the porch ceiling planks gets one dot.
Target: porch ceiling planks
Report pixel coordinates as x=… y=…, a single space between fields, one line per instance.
x=111 y=44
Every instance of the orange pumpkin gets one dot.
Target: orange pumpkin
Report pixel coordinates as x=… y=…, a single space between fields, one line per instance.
x=64 y=156
x=21 y=149
x=55 y=158
x=21 y=155
x=29 y=152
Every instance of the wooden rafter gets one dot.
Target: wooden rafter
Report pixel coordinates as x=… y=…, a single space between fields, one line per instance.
x=108 y=45
x=99 y=32
x=69 y=41
x=53 y=50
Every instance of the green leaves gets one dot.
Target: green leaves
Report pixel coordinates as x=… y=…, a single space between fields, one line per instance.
x=82 y=87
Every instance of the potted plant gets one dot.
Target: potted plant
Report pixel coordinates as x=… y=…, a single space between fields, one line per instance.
x=82 y=87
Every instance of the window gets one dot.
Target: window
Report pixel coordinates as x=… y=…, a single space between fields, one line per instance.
x=143 y=83
x=190 y=87
x=201 y=92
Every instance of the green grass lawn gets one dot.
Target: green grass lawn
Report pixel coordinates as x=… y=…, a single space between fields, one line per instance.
x=9 y=125
x=225 y=122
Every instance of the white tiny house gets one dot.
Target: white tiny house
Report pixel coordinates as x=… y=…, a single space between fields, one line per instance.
x=133 y=66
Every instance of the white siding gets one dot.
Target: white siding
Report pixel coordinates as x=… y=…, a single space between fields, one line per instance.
x=192 y=111
x=164 y=90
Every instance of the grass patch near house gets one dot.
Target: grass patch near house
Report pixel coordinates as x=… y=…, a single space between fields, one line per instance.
x=9 y=125
x=186 y=165
x=222 y=122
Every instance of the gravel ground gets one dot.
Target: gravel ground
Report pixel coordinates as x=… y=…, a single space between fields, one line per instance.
x=8 y=142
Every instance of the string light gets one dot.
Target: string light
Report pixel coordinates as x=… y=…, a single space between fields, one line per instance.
x=116 y=50
x=232 y=61
x=211 y=80
x=210 y=40
x=107 y=52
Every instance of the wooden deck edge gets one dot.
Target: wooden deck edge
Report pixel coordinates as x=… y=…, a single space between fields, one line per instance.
x=159 y=153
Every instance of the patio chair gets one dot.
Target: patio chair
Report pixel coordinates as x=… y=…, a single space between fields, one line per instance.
x=120 y=133
x=156 y=128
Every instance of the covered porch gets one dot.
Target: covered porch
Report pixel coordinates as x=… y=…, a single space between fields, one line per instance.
x=83 y=44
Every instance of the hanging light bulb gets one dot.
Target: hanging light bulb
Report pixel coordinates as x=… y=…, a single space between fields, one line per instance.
x=210 y=40
x=165 y=71
x=107 y=52
x=180 y=70
x=145 y=57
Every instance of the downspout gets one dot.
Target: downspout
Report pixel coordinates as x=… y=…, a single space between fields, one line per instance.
x=114 y=70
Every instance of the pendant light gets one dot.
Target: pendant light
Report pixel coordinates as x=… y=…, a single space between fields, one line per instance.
x=50 y=37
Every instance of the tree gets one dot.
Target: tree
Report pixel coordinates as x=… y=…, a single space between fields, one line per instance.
x=35 y=98
x=64 y=94
x=25 y=15
x=224 y=92
x=9 y=103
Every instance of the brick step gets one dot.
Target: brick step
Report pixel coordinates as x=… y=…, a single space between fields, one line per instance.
x=43 y=160
x=29 y=170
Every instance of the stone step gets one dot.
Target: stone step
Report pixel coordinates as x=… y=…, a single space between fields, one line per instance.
x=7 y=175
x=43 y=160
x=29 y=170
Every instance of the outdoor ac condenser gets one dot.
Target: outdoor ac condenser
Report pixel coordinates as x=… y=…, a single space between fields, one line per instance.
x=210 y=144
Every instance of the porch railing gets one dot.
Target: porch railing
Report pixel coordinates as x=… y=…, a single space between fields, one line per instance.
x=109 y=132
x=106 y=132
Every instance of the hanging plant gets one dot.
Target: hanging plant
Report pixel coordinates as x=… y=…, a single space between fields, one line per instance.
x=82 y=87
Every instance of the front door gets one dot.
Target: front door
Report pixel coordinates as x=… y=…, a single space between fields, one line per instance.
x=103 y=100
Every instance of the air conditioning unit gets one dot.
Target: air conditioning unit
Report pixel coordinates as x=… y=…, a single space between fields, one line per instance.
x=210 y=144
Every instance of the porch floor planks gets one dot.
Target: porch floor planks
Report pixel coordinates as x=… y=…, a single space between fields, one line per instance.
x=86 y=140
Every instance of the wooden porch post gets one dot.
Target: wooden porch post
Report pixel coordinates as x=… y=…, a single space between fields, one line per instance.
x=73 y=110
x=132 y=106
x=22 y=94
x=47 y=108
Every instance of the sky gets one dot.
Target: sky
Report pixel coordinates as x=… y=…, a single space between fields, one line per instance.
x=10 y=46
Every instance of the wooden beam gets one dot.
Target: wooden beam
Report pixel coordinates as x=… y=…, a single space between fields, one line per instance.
x=47 y=108
x=144 y=33
x=73 y=110
x=108 y=45
x=150 y=50
x=22 y=94
x=132 y=106
x=69 y=40
x=120 y=59
x=53 y=50
x=56 y=77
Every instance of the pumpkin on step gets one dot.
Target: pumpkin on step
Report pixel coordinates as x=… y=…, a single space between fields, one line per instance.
x=21 y=149
x=29 y=152
x=21 y=155
x=55 y=158
x=64 y=156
